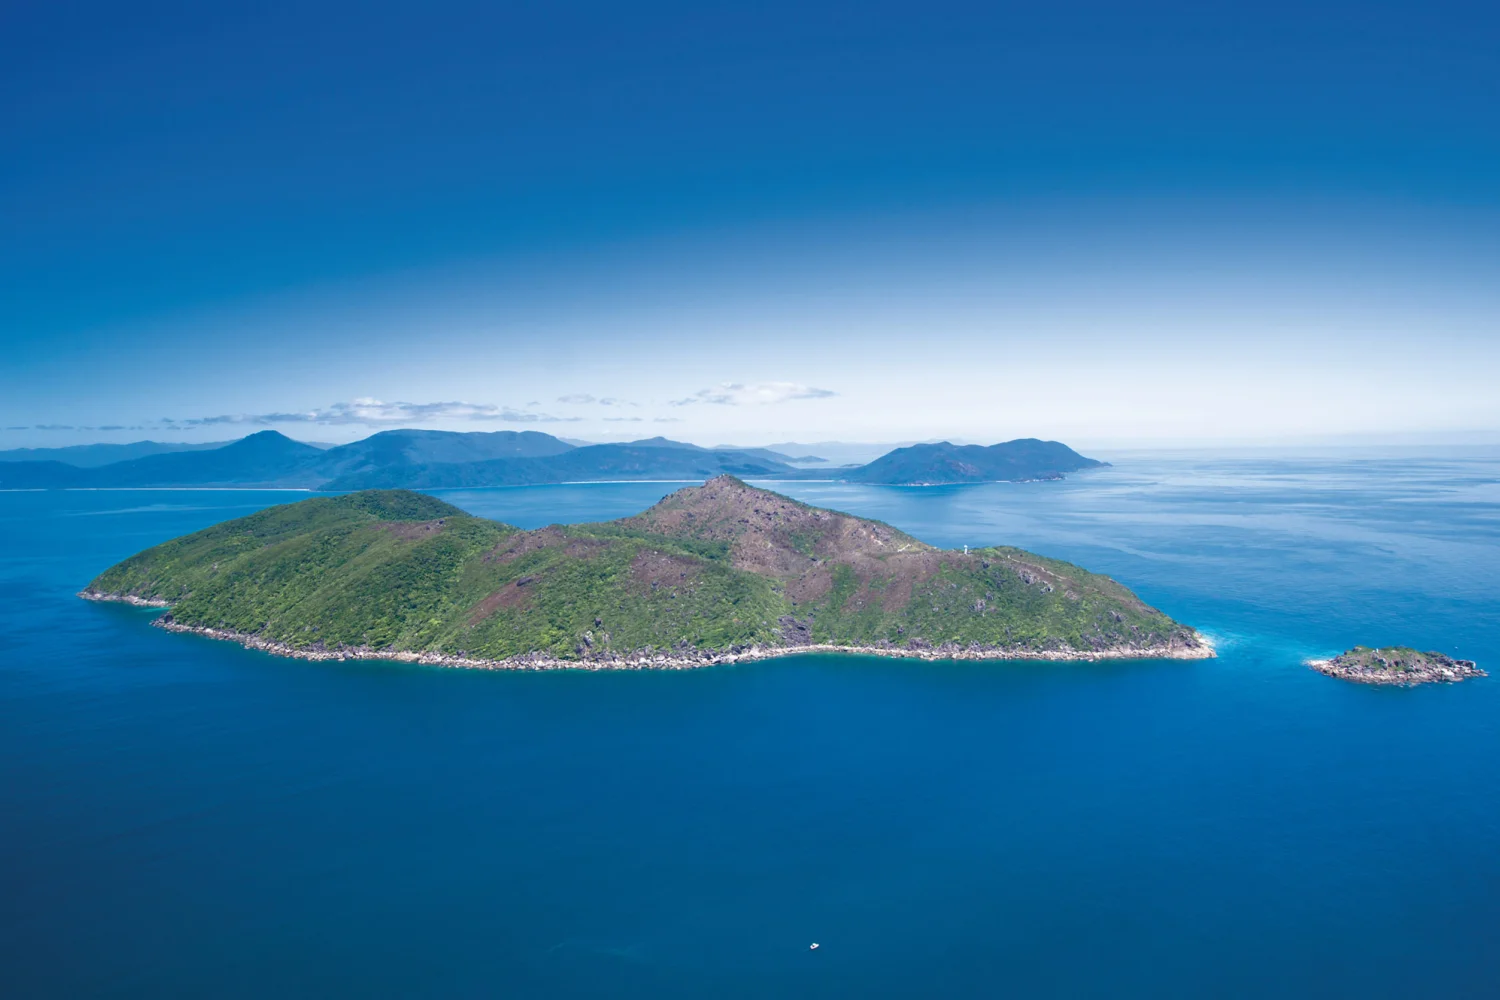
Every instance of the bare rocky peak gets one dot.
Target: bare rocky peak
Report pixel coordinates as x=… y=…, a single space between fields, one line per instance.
x=770 y=533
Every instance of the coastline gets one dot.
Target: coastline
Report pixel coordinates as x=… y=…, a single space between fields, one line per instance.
x=131 y=599
x=688 y=660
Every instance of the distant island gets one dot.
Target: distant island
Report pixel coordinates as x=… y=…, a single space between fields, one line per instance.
x=420 y=459
x=935 y=464
x=718 y=573
x=1398 y=665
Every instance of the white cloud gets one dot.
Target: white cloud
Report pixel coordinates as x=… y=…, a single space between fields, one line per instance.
x=584 y=399
x=375 y=412
x=77 y=427
x=754 y=394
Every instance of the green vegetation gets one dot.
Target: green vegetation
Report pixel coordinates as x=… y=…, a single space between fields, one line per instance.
x=1387 y=657
x=996 y=597
x=712 y=568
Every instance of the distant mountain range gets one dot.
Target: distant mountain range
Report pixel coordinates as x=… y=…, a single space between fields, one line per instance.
x=90 y=456
x=419 y=459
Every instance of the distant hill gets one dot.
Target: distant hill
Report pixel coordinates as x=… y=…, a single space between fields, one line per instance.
x=663 y=442
x=270 y=458
x=756 y=454
x=1013 y=461
x=643 y=460
x=716 y=572
x=409 y=450
x=264 y=459
x=90 y=456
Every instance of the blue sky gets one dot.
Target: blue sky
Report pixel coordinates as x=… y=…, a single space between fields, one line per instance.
x=1105 y=223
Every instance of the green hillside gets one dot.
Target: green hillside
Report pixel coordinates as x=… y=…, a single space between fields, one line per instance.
x=710 y=569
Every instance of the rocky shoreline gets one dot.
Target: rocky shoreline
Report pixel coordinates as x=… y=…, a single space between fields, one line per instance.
x=1190 y=647
x=1399 y=666
x=131 y=599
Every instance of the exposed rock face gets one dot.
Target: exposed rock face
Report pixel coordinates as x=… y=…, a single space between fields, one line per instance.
x=1401 y=666
x=90 y=594
x=773 y=535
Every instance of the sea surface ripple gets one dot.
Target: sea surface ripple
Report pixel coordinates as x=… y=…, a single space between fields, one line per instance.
x=180 y=817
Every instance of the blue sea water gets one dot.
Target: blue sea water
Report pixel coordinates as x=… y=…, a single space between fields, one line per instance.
x=180 y=817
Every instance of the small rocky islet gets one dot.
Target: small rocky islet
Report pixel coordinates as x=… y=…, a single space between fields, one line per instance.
x=1401 y=666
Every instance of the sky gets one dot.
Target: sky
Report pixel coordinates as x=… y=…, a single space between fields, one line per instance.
x=1108 y=224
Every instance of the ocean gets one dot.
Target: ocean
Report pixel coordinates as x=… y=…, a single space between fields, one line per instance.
x=183 y=817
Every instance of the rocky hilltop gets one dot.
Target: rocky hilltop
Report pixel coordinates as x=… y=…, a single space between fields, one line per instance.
x=711 y=574
x=1398 y=665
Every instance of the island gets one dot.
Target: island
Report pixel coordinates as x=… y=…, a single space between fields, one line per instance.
x=941 y=464
x=1398 y=665
x=712 y=574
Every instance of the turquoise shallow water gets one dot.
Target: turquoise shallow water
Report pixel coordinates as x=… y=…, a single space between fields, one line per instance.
x=180 y=817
